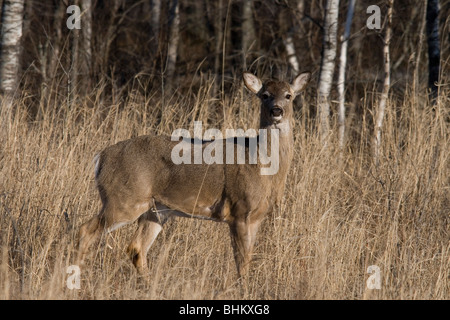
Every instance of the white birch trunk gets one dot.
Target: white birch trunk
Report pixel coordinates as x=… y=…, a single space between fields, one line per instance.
x=292 y=56
x=327 y=66
x=379 y=115
x=289 y=42
x=11 y=34
x=341 y=79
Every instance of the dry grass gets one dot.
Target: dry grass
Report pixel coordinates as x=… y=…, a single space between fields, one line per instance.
x=340 y=214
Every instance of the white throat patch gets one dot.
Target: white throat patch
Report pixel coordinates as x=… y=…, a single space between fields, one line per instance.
x=284 y=127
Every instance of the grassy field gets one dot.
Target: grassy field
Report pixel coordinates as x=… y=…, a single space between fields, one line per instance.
x=340 y=214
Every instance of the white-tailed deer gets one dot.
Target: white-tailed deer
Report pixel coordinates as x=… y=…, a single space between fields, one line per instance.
x=137 y=179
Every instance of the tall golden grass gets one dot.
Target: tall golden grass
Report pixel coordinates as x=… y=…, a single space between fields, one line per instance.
x=340 y=215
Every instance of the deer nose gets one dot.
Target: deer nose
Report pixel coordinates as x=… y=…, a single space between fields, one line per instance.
x=276 y=111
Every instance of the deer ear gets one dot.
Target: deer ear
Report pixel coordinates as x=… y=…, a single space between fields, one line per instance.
x=252 y=82
x=300 y=82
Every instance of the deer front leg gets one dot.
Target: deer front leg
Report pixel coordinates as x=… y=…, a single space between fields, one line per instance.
x=243 y=235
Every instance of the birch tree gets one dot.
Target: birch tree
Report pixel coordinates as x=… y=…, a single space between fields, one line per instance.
x=434 y=51
x=291 y=54
x=11 y=34
x=327 y=65
x=379 y=114
x=289 y=41
x=342 y=65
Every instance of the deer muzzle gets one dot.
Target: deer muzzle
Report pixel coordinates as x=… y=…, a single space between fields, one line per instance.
x=276 y=112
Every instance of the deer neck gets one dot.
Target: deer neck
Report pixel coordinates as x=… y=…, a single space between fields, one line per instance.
x=286 y=142
x=286 y=154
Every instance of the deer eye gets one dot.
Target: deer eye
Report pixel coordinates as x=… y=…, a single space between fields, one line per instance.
x=288 y=96
x=265 y=96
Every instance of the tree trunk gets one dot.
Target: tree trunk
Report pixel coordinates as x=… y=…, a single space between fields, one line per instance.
x=379 y=115
x=434 y=52
x=248 y=30
x=289 y=42
x=156 y=14
x=341 y=80
x=327 y=66
x=11 y=34
x=86 y=19
x=172 y=49
x=419 y=49
x=56 y=48
x=219 y=39
x=110 y=36
x=291 y=54
x=74 y=67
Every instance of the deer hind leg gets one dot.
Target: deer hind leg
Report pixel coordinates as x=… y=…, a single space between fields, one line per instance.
x=149 y=226
x=112 y=216
x=88 y=234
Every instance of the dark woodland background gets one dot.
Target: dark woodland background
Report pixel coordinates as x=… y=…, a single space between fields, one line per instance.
x=128 y=53
x=365 y=193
